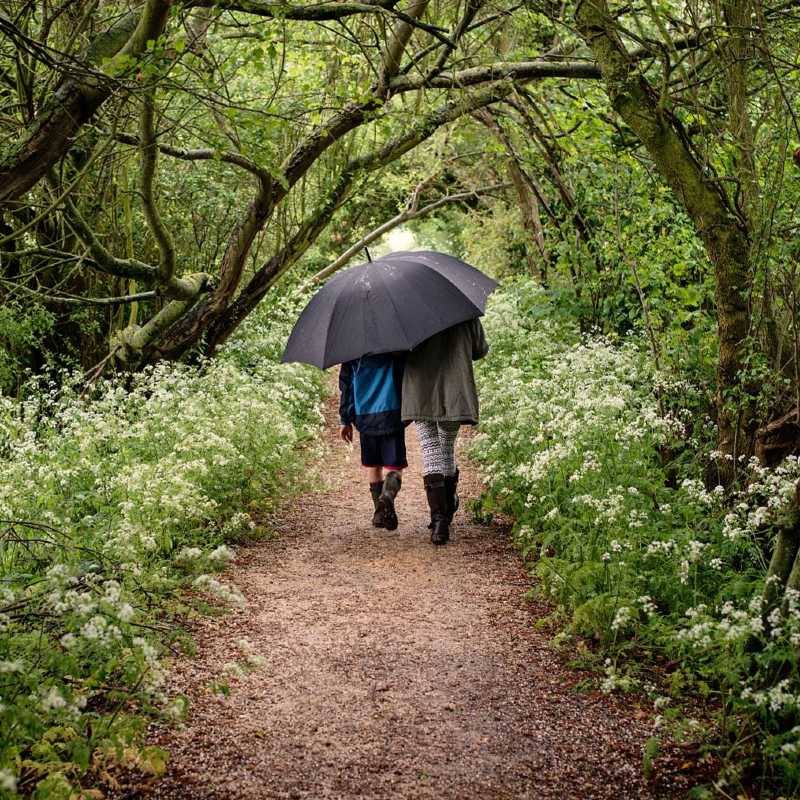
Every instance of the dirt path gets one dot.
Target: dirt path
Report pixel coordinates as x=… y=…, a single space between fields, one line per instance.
x=392 y=669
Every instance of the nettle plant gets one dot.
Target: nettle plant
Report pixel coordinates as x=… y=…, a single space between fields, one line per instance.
x=578 y=442
x=111 y=505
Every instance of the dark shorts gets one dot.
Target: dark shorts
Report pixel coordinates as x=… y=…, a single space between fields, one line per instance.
x=388 y=450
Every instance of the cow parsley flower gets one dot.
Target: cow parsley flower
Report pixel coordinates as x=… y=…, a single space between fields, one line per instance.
x=622 y=618
x=8 y=780
x=52 y=699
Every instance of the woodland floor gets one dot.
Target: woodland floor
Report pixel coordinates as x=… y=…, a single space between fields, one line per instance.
x=393 y=669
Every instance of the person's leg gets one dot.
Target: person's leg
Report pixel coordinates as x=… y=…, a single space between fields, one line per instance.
x=375 y=489
x=374 y=474
x=428 y=435
x=370 y=459
x=448 y=433
x=433 y=478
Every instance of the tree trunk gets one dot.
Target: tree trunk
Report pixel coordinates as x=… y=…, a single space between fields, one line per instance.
x=722 y=231
x=535 y=250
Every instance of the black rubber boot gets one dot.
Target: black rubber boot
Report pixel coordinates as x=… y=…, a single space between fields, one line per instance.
x=451 y=486
x=437 y=502
x=453 y=501
x=375 y=490
x=391 y=486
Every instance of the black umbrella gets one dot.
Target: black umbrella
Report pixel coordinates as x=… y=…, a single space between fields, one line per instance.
x=392 y=303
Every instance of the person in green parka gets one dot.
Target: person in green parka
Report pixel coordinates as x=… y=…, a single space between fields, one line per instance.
x=439 y=395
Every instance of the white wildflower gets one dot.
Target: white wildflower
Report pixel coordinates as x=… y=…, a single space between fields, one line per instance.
x=8 y=780
x=622 y=618
x=52 y=699
x=647 y=604
x=221 y=554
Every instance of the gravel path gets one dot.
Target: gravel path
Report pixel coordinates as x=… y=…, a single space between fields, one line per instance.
x=392 y=669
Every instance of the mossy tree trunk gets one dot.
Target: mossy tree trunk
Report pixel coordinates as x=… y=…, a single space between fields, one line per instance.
x=723 y=229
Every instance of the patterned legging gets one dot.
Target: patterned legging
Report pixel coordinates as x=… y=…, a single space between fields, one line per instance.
x=437 y=440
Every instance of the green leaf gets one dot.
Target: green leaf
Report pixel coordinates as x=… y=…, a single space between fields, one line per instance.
x=652 y=748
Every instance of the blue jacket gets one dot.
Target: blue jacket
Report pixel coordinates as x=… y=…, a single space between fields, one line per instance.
x=370 y=394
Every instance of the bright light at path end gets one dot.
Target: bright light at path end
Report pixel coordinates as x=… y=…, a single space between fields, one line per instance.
x=401 y=239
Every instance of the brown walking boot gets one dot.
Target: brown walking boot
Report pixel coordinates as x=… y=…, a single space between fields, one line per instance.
x=453 y=500
x=391 y=486
x=375 y=490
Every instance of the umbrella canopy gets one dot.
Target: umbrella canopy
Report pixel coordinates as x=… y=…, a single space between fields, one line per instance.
x=392 y=303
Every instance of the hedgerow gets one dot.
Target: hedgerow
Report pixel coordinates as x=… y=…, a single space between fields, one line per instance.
x=603 y=466
x=112 y=506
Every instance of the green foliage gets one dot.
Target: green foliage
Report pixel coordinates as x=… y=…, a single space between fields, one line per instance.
x=600 y=457
x=576 y=438
x=22 y=330
x=111 y=506
x=638 y=234
x=651 y=750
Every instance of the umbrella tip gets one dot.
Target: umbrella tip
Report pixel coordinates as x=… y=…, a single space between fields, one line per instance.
x=369 y=257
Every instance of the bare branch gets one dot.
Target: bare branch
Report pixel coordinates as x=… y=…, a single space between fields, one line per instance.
x=314 y=12
x=105 y=261
x=509 y=70
x=68 y=299
x=396 y=42
x=202 y=154
x=472 y=8
x=523 y=71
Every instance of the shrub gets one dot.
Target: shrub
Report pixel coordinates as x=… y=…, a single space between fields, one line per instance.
x=109 y=507
x=630 y=545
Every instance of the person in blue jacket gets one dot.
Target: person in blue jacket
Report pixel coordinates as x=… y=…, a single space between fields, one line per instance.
x=370 y=399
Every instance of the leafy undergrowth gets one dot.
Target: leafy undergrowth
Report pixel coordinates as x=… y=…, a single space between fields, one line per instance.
x=603 y=465
x=111 y=508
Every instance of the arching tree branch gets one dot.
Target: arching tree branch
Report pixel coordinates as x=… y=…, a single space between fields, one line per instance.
x=223 y=326
x=313 y=12
x=201 y=154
